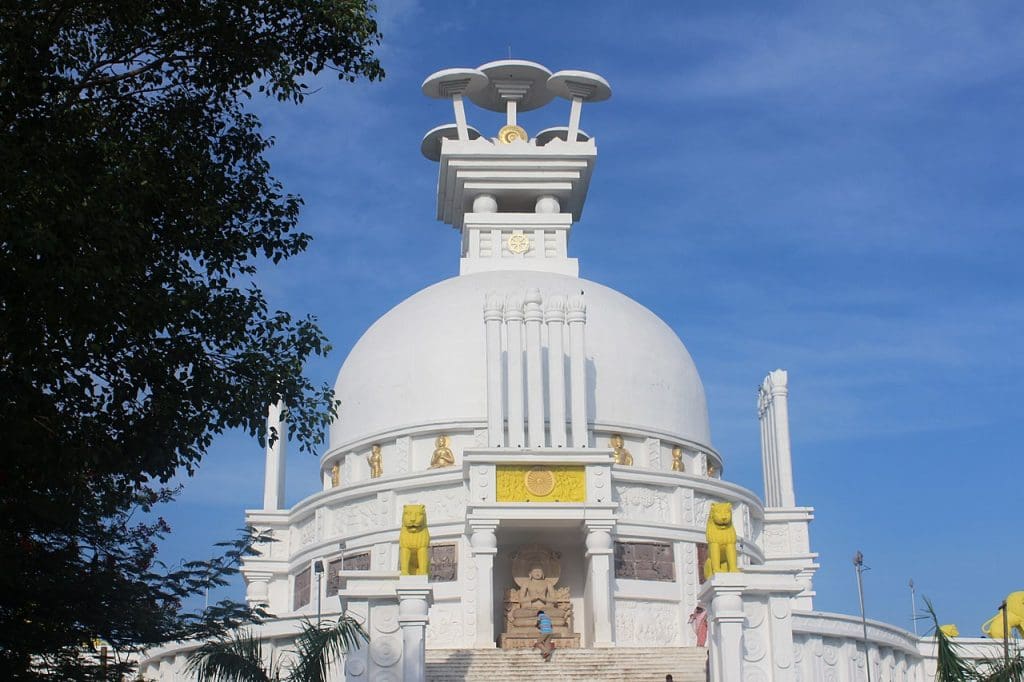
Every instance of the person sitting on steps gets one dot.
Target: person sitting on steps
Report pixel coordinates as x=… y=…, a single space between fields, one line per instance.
x=545 y=644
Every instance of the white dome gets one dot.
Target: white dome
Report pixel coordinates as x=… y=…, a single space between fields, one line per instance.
x=423 y=363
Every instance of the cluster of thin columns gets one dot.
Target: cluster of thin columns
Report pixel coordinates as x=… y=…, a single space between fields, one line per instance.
x=773 y=412
x=520 y=319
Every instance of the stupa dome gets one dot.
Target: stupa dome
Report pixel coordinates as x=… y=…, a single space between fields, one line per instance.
x=423 y=363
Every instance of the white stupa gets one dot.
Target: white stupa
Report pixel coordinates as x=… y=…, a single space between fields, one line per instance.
x=554 y=421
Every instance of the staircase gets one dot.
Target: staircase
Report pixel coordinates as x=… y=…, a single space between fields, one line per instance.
x=686 y=664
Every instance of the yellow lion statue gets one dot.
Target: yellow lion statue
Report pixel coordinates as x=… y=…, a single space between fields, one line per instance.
x=721 y=541
x=413 y=541
x=993 y=627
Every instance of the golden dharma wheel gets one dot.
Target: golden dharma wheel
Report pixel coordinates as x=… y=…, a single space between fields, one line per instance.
x=540 y=481
x=511 y=134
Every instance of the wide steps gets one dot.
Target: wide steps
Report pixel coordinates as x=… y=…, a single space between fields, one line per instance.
x=686 y=664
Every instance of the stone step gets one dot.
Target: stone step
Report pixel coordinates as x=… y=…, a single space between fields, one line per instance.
x=686 y=664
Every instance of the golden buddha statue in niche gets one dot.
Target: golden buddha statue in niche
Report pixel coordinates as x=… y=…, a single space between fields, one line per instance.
x=376 y=462
x=442 y=456
x=677 y=459
x=335 y=474
x=620 y=453
x=712 y=470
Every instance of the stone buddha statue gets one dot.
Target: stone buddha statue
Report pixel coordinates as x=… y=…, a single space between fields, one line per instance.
x=442 y=456
x=536 y=571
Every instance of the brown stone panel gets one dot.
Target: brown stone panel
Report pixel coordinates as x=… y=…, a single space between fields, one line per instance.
x=702 y=557
x=644 y=561
x=301 y=596
x=444 y=563
x=357 y=562
x=334 y=581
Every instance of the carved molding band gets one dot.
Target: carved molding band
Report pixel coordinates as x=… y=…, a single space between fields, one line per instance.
x=547 y=483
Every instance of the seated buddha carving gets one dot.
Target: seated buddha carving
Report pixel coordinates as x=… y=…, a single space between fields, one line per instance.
x=442 y=456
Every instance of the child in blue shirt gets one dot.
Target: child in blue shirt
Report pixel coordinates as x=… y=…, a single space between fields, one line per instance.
x=546 y=632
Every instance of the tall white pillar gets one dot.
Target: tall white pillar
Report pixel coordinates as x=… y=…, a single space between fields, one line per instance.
x=773 y=410
x=534 y=370
x=414 y=597
x=514 y=328
x=484 y=545
x=576 y=316
x=726 y=617
x=493 y=309
x=599 y=583
x=554 y=316
x=273 y=483
x=784 y=458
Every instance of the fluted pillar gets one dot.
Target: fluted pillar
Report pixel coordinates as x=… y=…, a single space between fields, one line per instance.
x=493 y=308
x=599 y=583
x=784 y=459
x=414 y=599
x=726 y=618
x=554 y=316
x=484 y=545
x=534 y=370
x=576 y=316
x=273 y=484
x=514 y=328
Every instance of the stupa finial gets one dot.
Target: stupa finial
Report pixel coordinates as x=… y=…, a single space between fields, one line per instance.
x=513 y=196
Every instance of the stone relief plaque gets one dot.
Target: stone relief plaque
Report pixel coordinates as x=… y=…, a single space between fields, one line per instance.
x=644 y=561
x=444 y=563
x=334 y=581
x=301 y=596
x=357 y=562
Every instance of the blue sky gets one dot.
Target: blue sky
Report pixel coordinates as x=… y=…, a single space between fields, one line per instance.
x=830 y=189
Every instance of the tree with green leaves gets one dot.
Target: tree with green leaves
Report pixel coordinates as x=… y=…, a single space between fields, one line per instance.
x=240 y=657
x=953 y=666
x=136 y=204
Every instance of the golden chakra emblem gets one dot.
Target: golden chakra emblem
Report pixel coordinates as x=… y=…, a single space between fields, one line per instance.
x=540 y=481
x=518 y=243
x=511 y=134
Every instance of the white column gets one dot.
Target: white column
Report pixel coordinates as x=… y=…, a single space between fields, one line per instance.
x=414 y=597
x=273 y=483
x=554 y=316
x=783 y=457
x=574 y=118
x=460 y=117
x=484 y=545
x=495 y=394
x=726 y=618
x=576 y=316
x=514 y=328
x=599 y=583
x=534 y=370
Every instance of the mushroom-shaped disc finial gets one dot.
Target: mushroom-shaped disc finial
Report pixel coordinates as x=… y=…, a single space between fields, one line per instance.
x=431 y=145
x=444 y=84
x=578 y=87
x=514 y=85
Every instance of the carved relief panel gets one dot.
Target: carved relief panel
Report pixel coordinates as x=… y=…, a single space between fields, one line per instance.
x=644 y=561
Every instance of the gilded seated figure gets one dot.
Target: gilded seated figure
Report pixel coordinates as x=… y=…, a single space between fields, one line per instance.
x=442 y=456
x=620 y=454
x=535 y=570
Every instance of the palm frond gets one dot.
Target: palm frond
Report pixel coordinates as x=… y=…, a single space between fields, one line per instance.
x=318 y=647
x=999 y=670
x=238 y=658
x=951 y=666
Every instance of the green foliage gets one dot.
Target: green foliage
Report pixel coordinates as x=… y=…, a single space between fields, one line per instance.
x=952 y=666
x=239 y=657
x=136 y=206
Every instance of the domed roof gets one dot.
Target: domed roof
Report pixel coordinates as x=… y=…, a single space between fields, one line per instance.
x=423 y=363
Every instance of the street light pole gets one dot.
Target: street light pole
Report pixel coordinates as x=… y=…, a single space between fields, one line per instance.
x=913 y=606
x=858 y=566
x=1006 y=636
x=318 y=568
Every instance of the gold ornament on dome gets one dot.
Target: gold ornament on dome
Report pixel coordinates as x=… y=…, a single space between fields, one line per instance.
x=518 y=242
x=539 y=481
x=511 y=133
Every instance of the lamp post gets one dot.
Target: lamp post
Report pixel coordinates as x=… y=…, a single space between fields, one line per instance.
x=858 y=566
x=318 y=568
x=913 y=606
x=1006 y=636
